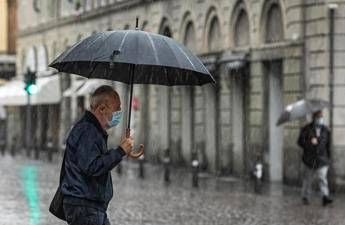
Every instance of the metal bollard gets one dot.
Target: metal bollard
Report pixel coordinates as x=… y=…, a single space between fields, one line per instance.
x=258 y=171
x=14 y=146
x=141 y=167
x=195 y=172
x=166 y=163
x=2 y=147
x=50 y=150
x=36 y=149
x=28 y=151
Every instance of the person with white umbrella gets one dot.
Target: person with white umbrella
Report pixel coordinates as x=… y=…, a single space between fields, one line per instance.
x=314 y=139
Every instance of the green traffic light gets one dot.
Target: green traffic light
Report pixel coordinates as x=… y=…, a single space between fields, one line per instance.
x=32 y=89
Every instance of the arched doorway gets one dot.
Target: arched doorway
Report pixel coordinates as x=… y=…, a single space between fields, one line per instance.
x=187 y=105
x=205 y=99
x=233 y=96
x=170 y=100
x=273 y=31
x=214 y=36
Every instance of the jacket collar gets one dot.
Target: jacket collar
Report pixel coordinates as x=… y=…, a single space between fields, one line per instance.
x=313 y=125
x=313 y=128
x=88 y=116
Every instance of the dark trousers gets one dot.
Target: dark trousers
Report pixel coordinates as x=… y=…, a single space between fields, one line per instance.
x=82 y=215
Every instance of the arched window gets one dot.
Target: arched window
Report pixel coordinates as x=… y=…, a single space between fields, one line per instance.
x=241 y=29
x=144 y=27
x=165 y=28
x=167 y=32
x=37 y=5
x=189 y=37
x=126 y=27
x=214 y=35
x=274 y=25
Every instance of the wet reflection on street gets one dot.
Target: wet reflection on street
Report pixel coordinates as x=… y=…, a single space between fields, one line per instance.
x=29 y=184
x=27 y=187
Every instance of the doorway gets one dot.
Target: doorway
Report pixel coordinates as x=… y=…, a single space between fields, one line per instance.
x=274 y=106
x=240 y=90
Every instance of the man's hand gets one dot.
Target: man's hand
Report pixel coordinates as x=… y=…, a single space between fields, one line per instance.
x=127 y=144
x=314 y=141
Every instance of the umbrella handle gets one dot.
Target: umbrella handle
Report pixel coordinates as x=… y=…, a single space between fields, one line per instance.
x=134 y=154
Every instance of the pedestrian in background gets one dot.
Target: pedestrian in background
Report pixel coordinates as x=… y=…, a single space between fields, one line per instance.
x=314 y=139
x=87 y=184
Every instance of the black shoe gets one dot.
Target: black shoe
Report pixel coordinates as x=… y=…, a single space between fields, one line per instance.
x=326 y=200
x=305 y=201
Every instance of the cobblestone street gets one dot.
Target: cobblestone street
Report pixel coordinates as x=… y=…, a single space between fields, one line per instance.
x=27 y=186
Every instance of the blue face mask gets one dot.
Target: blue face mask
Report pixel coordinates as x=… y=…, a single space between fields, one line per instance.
x=115 y=119
x=320 y=121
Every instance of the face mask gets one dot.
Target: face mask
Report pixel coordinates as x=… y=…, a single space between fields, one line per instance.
x=115 y=119
x=319 y=121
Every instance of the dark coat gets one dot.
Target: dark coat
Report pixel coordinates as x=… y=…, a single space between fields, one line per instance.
x=88 y=163
x=315 y=156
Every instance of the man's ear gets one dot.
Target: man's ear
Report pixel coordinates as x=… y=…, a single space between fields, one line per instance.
x=102 y=108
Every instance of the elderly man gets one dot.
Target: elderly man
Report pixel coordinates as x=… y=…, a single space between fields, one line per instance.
x=315 y=140
x=87 y=185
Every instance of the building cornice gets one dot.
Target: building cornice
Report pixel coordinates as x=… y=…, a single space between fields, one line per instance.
x=88 y=15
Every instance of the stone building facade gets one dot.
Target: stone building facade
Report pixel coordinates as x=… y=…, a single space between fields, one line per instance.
x=263 y=53
x=8 y=27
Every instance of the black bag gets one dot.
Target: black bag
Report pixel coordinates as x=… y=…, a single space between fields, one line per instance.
x=56 y=206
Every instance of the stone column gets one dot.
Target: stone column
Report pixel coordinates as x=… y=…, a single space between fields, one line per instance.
x=164 y=120
x=187 y=124
x=65 y=111
x=210 y=125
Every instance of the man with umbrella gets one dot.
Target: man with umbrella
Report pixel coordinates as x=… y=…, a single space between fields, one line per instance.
x=87 y=185
x=131 y=57
x=314 y=138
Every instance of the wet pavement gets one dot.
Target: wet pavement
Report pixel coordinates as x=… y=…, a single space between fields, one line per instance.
x=27 y=186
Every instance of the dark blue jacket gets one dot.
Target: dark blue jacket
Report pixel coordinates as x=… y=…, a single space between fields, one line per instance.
x=88 y=163
x=315 y=156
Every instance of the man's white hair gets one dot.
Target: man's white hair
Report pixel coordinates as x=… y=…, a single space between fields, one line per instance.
x=102 y=95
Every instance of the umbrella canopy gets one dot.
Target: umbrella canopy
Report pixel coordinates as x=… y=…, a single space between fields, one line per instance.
x=133 y=57
x=155 y=59
x=300 y=109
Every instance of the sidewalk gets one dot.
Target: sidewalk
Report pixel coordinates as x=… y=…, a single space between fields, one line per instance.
x=27 y=186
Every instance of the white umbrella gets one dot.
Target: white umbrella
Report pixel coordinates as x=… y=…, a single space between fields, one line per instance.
x=300 y=109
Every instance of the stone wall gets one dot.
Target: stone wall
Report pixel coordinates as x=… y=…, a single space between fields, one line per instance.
x=203 y=119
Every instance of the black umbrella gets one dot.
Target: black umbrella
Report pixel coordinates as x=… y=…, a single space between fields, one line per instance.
x=133 y=57
x=300 y=109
